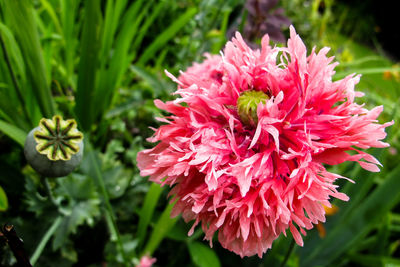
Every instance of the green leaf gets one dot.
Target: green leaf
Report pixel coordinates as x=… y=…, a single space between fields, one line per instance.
x=116 y=61
x=85 y=105
x=202 y=255
x=365 y=71
x=13 y=132
x=79 y=213
x=13 y=50
x=147 y=211
x=358 y=224
x=372 y=260
x=69 y=26
x=150 y=78
x=20 y=18
x=166 y=35
x=3 y=200
x=162 y=227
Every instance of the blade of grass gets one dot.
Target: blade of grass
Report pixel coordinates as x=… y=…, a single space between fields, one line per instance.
x=224 y=27
x=19 y=16
x=151 y=79
x=85 y=104
x=346 y=234
x=114 y=67
x=69 y=26
x=144 y=28
x=50 y=10
x=147 y=211
x=166 y=35
x=14 y=51
x=365 y=71
x=372 y=260
x=14 y=79
x=13 y=132
x=163 y=225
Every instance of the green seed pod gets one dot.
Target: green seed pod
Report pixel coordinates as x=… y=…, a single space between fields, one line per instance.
x=247 y=104
x=55 y=147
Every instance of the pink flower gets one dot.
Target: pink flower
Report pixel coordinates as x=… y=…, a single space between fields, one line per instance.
x=248 y=136
x=146 y=261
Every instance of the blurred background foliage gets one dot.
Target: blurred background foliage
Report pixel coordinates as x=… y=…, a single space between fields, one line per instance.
x=102 y=62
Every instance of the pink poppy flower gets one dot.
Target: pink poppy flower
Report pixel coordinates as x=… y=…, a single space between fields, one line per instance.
x=248 y=136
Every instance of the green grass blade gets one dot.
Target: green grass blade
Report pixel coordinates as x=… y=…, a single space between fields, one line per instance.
x=13 y=49
x=150 y=78
x=69 y=29
x=50 y=10
x=144 y=28
x=365 y=71
x=373 y=261
x=20 y=18
x=166 y=35
x=13 y=66
x=147 y=210
x=111 y=20
x=116 y=61
x=13 y=132
x=363 y=218
x=85 y=104
x=163 y=225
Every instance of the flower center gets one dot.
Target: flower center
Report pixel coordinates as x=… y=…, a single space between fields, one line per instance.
x=247 y=104
x=57 y=138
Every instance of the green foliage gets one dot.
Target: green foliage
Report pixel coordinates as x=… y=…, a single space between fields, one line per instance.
x=161 y=228
x=3 y=200
x=19 y=15
x=202 y=255
x=103 y=62
x=13 y=132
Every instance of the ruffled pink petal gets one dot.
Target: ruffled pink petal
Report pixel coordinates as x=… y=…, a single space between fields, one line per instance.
x=252 y=184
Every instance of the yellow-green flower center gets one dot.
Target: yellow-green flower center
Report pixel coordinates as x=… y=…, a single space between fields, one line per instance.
x=247 y=104
x=58 y=139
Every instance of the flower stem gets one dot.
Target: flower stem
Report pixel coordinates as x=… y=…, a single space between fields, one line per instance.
x=288 y=253
x=108 y=208
x=46 y=184
x=45 y=239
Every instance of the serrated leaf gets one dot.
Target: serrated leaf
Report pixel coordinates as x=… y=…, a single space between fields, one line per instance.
x=202 y=255
x=80 y=213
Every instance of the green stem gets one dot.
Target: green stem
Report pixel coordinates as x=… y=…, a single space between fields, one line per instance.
x=288 y=253
x=45 y=239
x=162 y=227
x=108 y=208
x=47 y=187
x=147 y=211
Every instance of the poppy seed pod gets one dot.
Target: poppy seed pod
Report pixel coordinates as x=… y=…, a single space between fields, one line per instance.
x=55 y=147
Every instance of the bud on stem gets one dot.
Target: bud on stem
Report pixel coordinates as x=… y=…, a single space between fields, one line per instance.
x=54 y=148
